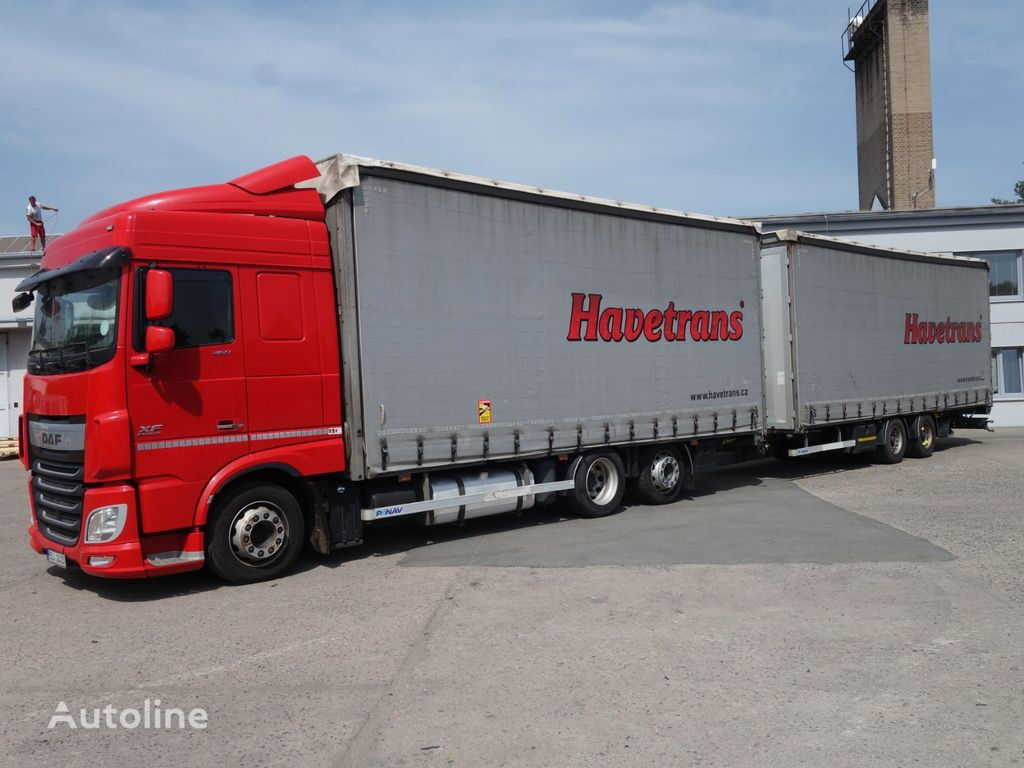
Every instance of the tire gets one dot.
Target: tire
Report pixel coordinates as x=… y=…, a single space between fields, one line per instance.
x=600 y=485
x=662 y=475
x=267 y=547
x=924 y=445
x=894 y=442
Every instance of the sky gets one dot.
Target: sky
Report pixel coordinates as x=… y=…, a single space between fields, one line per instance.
x=728 y=107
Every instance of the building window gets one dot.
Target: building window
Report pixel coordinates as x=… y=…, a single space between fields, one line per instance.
x=1003 y=273
x=1008 y=371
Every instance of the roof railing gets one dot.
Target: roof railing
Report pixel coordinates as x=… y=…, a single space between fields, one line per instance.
x=853 y=24
x=19 y=245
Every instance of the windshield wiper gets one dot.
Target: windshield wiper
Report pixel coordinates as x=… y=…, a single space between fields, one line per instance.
x=68 y=356
x=44 y=358
x=85 y=353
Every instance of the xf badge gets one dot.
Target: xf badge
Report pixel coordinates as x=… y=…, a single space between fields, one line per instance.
x=150 y=430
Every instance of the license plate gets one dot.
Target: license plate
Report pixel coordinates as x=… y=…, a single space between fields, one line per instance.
x=57 y=558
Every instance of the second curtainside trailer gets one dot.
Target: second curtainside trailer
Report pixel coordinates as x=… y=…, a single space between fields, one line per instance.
x=869 y=348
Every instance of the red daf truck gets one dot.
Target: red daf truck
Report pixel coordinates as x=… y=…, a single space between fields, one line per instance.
x=222 y=375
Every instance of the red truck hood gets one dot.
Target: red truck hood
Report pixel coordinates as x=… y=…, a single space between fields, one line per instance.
x=65 y=394
x=97 y=397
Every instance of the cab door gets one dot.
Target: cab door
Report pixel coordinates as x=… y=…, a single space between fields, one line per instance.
x=188 y=408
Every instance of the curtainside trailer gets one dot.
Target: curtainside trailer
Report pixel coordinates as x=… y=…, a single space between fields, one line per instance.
x=221 y=375
x=491 y=322
x=869 y=348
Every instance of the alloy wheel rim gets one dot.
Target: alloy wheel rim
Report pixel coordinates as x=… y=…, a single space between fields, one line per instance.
x=258 y=534
x=665 y=472
x=927 y=436
x=602 y=481
x=895 y=439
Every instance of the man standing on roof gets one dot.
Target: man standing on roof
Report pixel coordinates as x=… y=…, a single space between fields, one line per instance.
x=34 y=214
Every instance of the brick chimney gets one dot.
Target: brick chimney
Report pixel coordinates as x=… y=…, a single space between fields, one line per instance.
x=887 y=41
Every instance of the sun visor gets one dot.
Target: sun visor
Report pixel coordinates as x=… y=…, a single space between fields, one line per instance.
x=114 y=256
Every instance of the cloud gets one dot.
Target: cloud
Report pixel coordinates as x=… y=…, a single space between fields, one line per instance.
x=723 y=107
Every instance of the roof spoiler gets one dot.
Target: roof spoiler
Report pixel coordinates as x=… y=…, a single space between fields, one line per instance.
x=282 y=175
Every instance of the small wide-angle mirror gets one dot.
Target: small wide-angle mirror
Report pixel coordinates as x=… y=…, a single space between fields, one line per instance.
x=159 y=339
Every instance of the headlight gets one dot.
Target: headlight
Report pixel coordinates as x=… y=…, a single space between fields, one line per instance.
x=105 y=523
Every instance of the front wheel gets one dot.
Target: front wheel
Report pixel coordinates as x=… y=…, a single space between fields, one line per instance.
x=255 y=533
x=600 y=485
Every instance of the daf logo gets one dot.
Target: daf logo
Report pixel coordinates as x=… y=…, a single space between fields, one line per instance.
x=62 y=436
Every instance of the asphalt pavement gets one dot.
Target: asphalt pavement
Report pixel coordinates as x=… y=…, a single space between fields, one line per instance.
x=822 y=611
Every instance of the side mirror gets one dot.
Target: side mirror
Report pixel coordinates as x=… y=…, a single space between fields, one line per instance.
x=159 y=297
x=21 y=301
x=159 y=338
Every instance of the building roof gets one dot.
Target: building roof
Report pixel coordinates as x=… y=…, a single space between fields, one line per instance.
x=18 y=245
x=837 y=243
x=972 y=215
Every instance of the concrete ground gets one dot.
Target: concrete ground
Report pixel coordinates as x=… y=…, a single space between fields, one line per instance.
x=816 y=612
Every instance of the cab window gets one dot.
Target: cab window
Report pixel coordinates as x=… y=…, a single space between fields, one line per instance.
x=203 y=312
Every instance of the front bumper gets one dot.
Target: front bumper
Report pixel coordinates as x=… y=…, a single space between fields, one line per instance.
x=133 y=555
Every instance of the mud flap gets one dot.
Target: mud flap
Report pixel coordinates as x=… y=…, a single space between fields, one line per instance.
x=336 y=522
x=914 y=430
x=319 y=532
x=701 y=458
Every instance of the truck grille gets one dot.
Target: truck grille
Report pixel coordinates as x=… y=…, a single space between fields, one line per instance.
x=57 y=492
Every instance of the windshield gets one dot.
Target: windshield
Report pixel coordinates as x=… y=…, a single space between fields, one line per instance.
x=76 y=321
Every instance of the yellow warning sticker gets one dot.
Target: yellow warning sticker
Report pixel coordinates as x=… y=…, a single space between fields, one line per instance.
x=483 y=411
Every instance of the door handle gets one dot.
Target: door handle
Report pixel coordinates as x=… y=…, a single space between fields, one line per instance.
x=226 y=425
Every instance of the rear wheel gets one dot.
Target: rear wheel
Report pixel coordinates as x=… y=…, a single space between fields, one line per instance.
x=894 y=442
x=662 y=475
x=600 y=485
x=924 y=445
x=255 y=533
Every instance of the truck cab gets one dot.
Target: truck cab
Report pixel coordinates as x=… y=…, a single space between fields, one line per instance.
x=184 y=350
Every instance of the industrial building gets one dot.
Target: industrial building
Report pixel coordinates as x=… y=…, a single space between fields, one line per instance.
x=886 y=45
x=16 y=263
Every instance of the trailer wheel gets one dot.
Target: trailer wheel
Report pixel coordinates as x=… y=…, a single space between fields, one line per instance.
x=662 y=475
x=894 y=442
x=254 y=534
x=600 y=485
x=924 y=445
